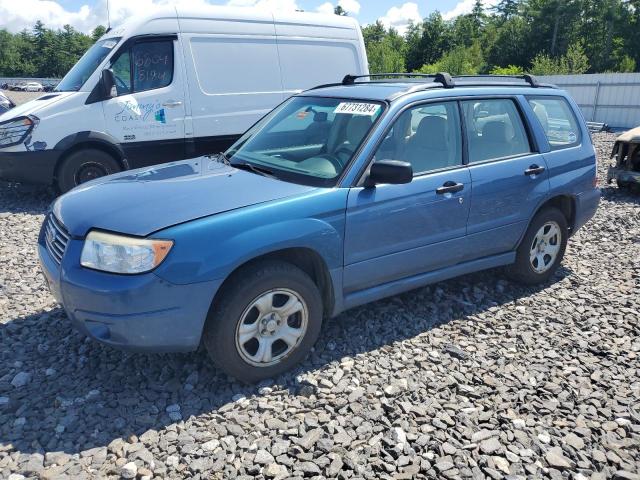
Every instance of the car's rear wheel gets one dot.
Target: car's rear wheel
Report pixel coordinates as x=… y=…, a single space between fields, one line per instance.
x=265 y=321
x=541 y=250
x=85 y=165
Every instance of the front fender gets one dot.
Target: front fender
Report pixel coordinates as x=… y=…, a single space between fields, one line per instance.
x=212 y=248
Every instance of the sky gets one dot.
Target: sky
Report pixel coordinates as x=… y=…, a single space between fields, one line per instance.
x=84 y=15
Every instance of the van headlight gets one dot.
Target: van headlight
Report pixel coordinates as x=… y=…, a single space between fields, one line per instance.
x=113 y=253
x=15 y=131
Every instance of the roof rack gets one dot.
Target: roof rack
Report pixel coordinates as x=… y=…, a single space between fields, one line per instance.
x=441 y=77
x=530 y=79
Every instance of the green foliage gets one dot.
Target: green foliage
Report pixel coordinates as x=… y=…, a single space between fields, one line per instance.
x=387 y=54
x=538 y=36
x=573 y=62
x=508 y=70
x=43 y=52
x=459 y=61
x=627 y=64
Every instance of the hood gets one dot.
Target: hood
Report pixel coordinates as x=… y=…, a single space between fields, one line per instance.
x=34 y=106
x=140 y=202
x=630 y=136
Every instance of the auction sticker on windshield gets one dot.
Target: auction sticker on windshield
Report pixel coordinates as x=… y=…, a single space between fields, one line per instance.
x=353 y=108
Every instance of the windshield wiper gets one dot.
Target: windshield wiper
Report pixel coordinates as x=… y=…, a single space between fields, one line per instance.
x=252 y=168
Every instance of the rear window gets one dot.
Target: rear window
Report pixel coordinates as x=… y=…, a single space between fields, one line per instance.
x=558 y=121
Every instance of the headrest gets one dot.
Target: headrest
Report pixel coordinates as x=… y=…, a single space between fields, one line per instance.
x=431 y=132
x=495 y=131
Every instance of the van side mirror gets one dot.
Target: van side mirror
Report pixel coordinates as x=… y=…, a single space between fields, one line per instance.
x=393 y=172
x=109 y=83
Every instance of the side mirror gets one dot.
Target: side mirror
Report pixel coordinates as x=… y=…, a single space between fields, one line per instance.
x=389 y=171
x=109 y=83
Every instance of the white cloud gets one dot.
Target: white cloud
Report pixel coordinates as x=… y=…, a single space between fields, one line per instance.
x=400 y=17
x=16 y=18
x=465 y=6
x=326 y=7
x=352 y=7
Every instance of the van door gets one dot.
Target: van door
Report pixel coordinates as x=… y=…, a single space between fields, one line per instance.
x=148 y=115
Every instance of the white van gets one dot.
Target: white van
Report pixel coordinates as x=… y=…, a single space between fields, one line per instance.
x=177 y=84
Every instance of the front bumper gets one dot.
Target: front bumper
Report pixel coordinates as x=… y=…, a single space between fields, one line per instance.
x=29 y=167
x=622 y=175
x=142 y=313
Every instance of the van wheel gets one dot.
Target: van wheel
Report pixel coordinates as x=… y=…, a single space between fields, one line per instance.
x=542 y=248
x=264 y=322
x=83 y=166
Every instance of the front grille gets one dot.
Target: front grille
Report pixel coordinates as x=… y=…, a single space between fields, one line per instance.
x=56 y=238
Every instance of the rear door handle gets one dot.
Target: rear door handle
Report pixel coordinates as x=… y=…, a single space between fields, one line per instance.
x=171 y=104
x=449 y=187
x=534 y=170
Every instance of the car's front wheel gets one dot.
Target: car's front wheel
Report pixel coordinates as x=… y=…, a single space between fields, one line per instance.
x=264 y=322
x=542 y=248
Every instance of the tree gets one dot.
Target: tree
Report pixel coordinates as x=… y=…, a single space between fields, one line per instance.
x=507 y=8
x=340 y=11
x=459 y=61
x=98 y=32
x=574 y=62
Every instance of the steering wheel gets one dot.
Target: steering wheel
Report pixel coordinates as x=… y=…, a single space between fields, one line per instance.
x=120 y=83
x=335 y=161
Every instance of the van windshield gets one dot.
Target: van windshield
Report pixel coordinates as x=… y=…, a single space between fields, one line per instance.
x=87 y=64
x=309 y=140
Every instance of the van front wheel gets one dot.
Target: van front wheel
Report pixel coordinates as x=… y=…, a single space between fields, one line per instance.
x=83 y=166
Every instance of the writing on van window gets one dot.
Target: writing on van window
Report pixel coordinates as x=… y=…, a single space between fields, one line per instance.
x=152 y=65
x=352 y=108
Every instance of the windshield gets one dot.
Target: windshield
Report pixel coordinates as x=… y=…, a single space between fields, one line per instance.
x=308 y=140
x=85 y=67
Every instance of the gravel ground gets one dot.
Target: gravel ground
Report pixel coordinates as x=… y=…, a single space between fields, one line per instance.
x=471 y=378
x=21 y=97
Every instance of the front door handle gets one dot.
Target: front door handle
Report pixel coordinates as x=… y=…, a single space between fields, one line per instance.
x=449 y=187
x=171 y=104
x=534 y=170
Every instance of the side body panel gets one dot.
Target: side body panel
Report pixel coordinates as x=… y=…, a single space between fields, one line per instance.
x=396 y=231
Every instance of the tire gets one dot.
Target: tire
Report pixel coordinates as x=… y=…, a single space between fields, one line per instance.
x=84 y=165
x=235 y=307
x=535 y=263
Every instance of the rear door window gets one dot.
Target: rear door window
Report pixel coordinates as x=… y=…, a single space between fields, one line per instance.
x=494 y=129
x=558 y=121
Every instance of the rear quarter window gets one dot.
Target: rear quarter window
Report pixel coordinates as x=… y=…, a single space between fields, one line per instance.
x=558 y=121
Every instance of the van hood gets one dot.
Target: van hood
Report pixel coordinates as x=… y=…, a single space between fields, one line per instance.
x=34 y=106
x=140 y=202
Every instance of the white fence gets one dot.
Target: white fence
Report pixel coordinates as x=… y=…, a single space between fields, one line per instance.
x=611 y=98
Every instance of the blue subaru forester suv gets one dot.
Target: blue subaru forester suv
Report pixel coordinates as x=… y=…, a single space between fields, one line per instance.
x=342 y=195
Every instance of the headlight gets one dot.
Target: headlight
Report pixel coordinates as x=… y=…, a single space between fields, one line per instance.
x=14 y=132
x=121 y=254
